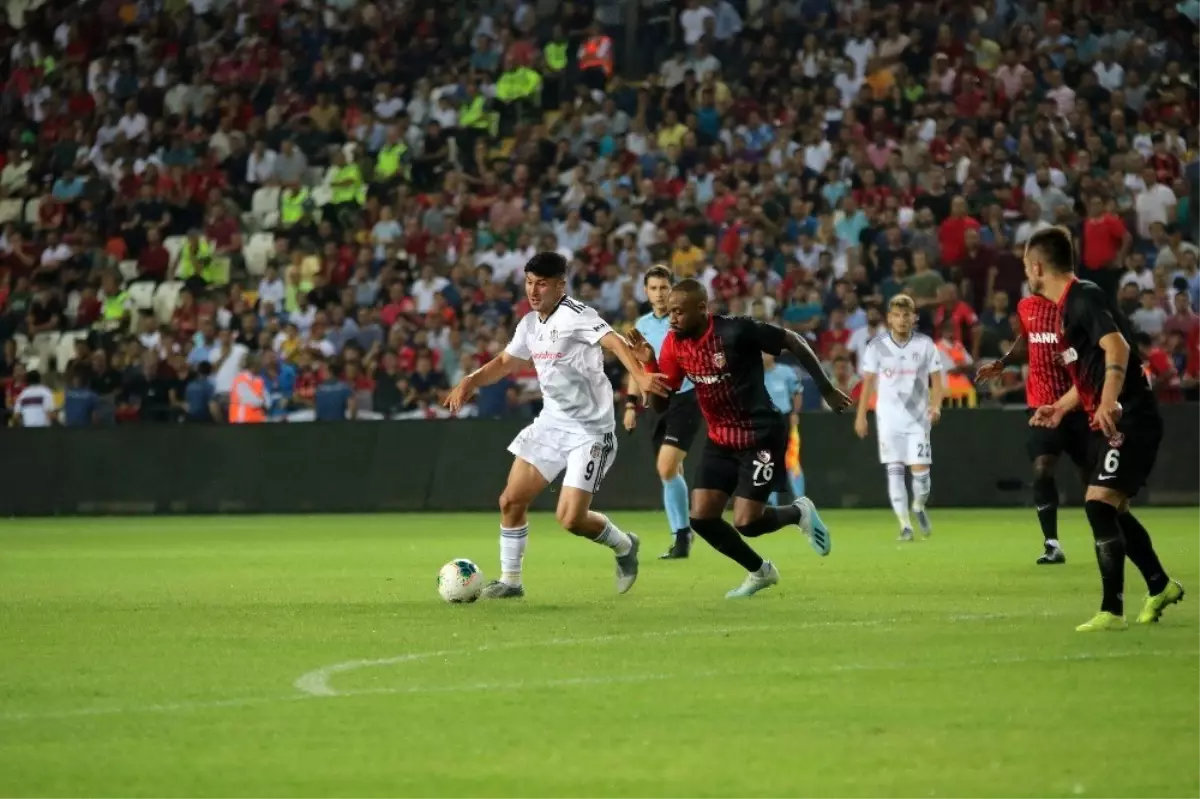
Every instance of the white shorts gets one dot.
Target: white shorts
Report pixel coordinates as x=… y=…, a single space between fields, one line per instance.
x=585 y=458
x=907 y=445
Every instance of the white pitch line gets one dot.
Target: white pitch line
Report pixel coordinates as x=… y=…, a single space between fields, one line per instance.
x=570 y=682
x=316 y=682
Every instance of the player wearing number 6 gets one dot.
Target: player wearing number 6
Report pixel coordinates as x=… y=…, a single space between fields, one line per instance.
x=574 y=432
x=905 y=369
x=1126 y=426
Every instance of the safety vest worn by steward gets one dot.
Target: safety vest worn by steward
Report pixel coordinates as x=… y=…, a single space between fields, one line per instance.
x=203 y=255
x=555 y=55
x=474 y=114
x=241 y=411
x=356 y=192
x=390 y=160
x=596 y=53
x=114 y=307
x=292 y=206
x=518 y=84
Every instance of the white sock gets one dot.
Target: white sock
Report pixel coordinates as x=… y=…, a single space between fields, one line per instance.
x=1052 y=542
x=614 y=539
x=922 y=483
x=512 y=552
x=898 y=494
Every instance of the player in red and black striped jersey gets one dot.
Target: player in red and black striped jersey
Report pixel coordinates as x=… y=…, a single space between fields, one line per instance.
x=1039 y=326
x=1126 y=425
x=746 y=450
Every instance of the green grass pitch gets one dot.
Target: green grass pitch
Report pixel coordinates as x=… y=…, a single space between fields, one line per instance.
x=161 y=657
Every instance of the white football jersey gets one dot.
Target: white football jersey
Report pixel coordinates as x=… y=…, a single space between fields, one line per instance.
x=565 y=350
x=903 y=373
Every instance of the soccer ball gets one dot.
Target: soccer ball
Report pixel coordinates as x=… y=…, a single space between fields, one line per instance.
x=460 y=580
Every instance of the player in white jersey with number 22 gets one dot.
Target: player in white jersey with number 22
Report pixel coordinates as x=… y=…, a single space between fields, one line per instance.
x=574 y=433
x=904 y=369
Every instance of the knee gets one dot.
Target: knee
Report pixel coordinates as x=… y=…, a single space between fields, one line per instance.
x=571 y=519
x=669 y=467
x=1043 y=468
x=743 y=519
x=511 y=505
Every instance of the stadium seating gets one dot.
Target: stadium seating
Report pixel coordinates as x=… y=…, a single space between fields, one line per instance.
x=785 y=172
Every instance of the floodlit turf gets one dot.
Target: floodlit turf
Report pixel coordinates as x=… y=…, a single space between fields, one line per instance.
x=161 y=657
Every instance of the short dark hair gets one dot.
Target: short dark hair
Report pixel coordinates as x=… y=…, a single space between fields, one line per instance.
x=661 y=271
x=1143 y=339
x=1056 y=248
x=547 y=264
x=691 y=287
x=33 y=377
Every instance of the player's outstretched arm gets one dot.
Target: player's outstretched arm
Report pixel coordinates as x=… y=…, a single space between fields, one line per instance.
x=795 y=344
x=992 y=370
x=491 y=372
x=647 y=382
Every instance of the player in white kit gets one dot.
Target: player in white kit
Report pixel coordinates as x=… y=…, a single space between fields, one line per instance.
x=904 y=369
x=574 y=432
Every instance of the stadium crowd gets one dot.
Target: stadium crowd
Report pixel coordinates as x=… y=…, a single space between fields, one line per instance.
x=249 y=209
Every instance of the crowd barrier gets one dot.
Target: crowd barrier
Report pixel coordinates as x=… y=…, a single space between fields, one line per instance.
x=459 y=465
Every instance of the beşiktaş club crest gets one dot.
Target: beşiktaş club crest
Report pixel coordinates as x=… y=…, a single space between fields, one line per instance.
x=554 y=334
x=596 y=450
x=719 y=359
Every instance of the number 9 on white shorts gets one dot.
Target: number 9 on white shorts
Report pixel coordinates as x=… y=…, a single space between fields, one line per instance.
x=585 y=458
x=910 y=447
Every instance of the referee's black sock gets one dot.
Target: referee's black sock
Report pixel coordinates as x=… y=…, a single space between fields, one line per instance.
x=1110 y=554
x=773 y=517
x=722 y=537
x=1045 y=497
x=1140 y=550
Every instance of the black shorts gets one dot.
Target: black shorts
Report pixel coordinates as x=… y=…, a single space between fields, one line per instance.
x=1072 y=436
x=753 y=474
x=680 y=422
x=1124 y=462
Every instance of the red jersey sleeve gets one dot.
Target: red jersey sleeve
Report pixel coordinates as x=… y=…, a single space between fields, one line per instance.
x=668 y=364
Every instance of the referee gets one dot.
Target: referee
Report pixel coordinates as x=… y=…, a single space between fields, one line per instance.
x=675 y=428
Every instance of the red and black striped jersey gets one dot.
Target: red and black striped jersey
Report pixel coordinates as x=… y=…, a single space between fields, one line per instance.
x=725 y=364
x=1041 y=325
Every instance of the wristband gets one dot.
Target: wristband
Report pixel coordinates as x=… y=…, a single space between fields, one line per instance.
x=631 y=402
x=1115 y=367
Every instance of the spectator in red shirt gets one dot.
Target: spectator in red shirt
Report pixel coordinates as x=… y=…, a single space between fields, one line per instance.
x=154 y=258
x=1183 y=319
x=964 y=322
x=834 y=335
x=978 y=268
x=399 y=304
x=1105 y=243
x=224 y=232
x=952 y=235
x=1160 y=371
